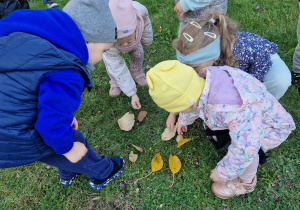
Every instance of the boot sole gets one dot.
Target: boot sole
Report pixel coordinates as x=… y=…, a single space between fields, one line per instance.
x=220 y=196
x=98 y=187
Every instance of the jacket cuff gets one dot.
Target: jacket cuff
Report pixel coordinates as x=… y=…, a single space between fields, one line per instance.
x=184 y=5
x=131 y=93
x=65 y=149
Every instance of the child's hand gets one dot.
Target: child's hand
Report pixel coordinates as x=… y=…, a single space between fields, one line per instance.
x=135 y=102
x=178 y=9
x=171 y=120
x=74 y=124
x=76 y=153
x=180 y=128
x=214 y=177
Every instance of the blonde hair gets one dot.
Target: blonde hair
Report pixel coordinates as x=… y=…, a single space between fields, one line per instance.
x=213 y=22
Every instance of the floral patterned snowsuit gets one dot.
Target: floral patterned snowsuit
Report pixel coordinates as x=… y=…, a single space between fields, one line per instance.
x=260 y=122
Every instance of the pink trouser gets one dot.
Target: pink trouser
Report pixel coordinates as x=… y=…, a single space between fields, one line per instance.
x=136 y=63
x=250 y=171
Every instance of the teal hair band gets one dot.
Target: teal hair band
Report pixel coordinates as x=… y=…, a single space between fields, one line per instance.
x=208 y=53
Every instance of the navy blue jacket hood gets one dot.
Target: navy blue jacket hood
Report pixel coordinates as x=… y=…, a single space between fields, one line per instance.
x=53 y=25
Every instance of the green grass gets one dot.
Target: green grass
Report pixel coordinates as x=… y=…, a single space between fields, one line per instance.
x=36 y=186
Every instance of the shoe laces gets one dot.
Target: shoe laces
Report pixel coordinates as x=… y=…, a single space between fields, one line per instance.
x=236 y=187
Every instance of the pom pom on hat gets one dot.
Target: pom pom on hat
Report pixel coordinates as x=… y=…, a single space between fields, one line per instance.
x=124 y=15
x=174 y=86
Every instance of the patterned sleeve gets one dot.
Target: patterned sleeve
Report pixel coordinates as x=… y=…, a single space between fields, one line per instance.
x=188 y=118
x=245 y=131
x=253 y=53
x=260 y=65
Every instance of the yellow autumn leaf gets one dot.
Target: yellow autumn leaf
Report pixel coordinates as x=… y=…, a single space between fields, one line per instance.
x=174 y=164
x=182 y=141
x=157 y=163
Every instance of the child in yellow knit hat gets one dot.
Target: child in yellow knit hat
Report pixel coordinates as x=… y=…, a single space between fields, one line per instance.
x=225 y=98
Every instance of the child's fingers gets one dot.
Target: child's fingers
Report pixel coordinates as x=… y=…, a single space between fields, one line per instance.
x=136 y=105
x=170 y=125
x=180 y=14
x=139 y=105
x=184 y=128
x=74 y=124
x=179 y=131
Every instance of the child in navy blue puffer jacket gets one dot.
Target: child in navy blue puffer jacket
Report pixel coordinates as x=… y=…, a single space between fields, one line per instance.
x=50 y=54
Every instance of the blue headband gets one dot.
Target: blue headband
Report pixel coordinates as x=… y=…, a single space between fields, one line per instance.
x=208 y=53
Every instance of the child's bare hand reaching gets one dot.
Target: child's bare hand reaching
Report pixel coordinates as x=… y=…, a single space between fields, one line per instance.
x=180 y=128
x=178 y=9
x=171 y=120
x=77 y=152
x=74 y=124
x=135 y=102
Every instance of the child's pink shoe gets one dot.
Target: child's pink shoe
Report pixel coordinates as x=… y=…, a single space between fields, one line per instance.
x=114 y=90
x=140 y=78
x=232 y=188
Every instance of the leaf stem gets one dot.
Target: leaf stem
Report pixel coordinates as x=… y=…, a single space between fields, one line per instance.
x=143 y=177
x=156 y=143
x=173 y=181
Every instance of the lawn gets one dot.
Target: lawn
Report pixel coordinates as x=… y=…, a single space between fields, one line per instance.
x=37 y=186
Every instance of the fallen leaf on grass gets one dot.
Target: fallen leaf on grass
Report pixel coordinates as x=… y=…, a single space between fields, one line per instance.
x=137 y=148
x=182 y=141
x=141 y=116
x=179 y=137
x=133 y=157
x=126 y=122
x=175 y=165
x=168 y=134
x=156 y=164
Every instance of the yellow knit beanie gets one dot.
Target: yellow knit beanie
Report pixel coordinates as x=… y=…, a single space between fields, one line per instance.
x=174 y=86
